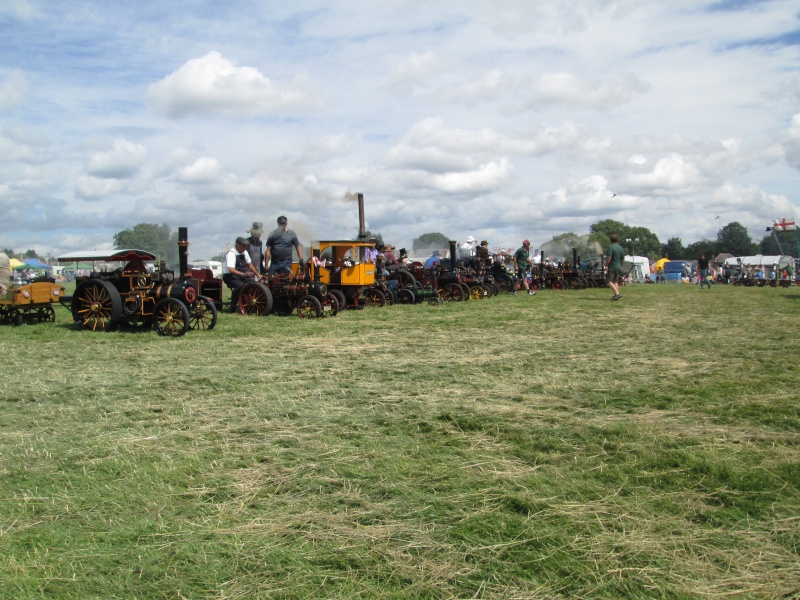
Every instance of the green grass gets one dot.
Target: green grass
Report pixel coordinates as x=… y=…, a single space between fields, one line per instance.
x=559 y=446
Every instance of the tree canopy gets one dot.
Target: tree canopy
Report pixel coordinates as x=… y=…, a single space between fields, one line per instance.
x=643 y=242
x=430 y=240
x=779 y=242
x=158 y=239
x=707 y=248
x=734 y=239
x=561 y=246
x=673 y=249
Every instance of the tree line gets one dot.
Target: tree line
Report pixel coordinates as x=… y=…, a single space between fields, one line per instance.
x=733 y=238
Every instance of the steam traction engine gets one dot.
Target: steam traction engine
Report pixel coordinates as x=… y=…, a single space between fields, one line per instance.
x=287 y=293
x=342 y=267
x=134 y=295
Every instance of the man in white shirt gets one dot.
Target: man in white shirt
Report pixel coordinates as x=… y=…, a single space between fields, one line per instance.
x=239 y=271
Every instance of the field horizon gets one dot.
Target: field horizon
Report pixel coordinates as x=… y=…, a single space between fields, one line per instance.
x=555 y=446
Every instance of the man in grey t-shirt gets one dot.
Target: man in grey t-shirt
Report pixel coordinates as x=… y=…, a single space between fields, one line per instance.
x=278 y=254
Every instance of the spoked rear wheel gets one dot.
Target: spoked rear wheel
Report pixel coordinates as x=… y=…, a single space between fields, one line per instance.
x=255 y=299
x=96 y=305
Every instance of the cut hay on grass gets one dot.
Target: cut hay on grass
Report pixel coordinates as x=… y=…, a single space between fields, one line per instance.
x=552 y=447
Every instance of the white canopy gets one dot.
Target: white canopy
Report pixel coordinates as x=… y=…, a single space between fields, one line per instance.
x=759 y=260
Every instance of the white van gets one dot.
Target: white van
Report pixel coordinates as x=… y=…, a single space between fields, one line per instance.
x=214 y=265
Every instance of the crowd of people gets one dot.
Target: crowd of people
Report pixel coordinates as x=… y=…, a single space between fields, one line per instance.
x=251 y=259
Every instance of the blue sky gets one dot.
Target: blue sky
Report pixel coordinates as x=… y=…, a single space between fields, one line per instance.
x=502 y=120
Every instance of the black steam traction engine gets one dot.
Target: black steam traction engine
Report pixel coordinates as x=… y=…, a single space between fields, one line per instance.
x=134 y=295
x=450 y=281
x=284 y=293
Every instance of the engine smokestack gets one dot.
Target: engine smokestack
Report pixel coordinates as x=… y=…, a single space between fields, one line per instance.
x=183 y=251
x=453 y=245
x=362 y=230
x=574 y=257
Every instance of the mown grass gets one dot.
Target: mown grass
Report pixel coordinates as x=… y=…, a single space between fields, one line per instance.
x=552 y=447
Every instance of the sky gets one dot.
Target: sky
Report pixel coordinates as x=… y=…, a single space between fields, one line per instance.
x=502 y=120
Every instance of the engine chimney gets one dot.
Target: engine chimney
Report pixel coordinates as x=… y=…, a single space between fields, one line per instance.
x=453 y=245
x=574 y=258
x=183 y=251
x=362 y=230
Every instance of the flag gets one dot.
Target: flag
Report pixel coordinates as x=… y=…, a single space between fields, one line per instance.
x=784 y=225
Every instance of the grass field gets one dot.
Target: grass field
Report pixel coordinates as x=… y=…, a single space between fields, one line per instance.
x=560 y=446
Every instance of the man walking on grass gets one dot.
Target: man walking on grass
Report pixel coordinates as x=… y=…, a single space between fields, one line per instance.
x=615 y=257
x=522 y=259
x=702 y=267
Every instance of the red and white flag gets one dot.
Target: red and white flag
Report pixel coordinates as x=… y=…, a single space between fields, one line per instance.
x=784 y=225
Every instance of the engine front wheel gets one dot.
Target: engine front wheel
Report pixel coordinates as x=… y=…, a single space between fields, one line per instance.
x=203 y=314
x=308 y=307
x=453 y=292
x=406 y=296
x=374 y=297
x=332 y=301
x=171 y=318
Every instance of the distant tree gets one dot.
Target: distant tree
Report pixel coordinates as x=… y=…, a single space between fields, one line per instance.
x=609 y=226
x=30 y=253
x=561 y=246
x=777 y=242
x=9 y=252
x=158 y=239
x=219 y=257
x=734 y=239
x=601 y=239
x=673 y=249
x=430 y=240
x=643 y=241
x=701 y=247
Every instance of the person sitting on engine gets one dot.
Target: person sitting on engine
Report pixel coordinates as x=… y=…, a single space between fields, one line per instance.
x=371 y=254
x=482 y=254
x=391 y=262
x=239 y=271
x=434 y=259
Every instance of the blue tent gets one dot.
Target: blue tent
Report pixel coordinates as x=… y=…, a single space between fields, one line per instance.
x=34 y=263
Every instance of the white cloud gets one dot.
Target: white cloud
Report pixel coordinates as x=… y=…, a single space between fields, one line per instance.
x=485 y=178
x=791 y=142
x=413 y=72
x=490 y=86
x=568 y=89
x=123 y=160
x=95 y=188
x=505 y=121
x=22 y=9
x=13 y=91
x=672 y=174
x=214 y=85
x=203 y=170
